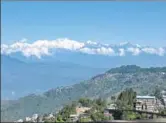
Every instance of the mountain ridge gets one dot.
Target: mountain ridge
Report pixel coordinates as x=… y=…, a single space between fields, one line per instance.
x=42 y=48
x=143 y=82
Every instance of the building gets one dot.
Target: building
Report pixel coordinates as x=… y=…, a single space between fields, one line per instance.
x=163 y=92
x=107 y=113
x=74 y=117
x=80 y=110
x=147 y=103
x=27 y=119
x=34 y=117
x=20 y=120
x=50 y=116
x=111 y=106
x=164 y=97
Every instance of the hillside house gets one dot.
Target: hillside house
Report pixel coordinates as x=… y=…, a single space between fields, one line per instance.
x=164 y=97
x=28 y=119
x=147 y=103
x=34 y=117
x=111 y=106
x=107 y=113
x=80 y=112
x=74 y=117
x=20 y=120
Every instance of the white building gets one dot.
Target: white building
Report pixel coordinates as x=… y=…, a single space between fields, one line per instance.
x=112 y=106
x=20 y=120
x=164 y=97
x=51 y=116
x=163 y=92
x=146 y=103
x=74 y=117
x=27 y=119
x=34 y=117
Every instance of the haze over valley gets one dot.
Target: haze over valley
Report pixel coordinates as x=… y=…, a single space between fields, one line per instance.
x=36 y=67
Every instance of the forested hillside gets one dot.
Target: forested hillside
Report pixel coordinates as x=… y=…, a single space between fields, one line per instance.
x=142 y=80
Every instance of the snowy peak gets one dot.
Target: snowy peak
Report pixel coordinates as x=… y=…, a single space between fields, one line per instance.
x=41 y=48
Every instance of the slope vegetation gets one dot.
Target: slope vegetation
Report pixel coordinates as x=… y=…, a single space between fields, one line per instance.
x=142 y=80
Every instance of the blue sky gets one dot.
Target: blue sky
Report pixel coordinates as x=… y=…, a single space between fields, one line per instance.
x=109 y=22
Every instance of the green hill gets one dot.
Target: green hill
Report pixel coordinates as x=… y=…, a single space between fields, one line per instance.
x=142 y=80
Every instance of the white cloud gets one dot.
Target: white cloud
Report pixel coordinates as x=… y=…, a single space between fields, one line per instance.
x=4 y=48
x=134 y=51
x=40 y=48
x=101 y=51
x=122 y=52
x=149 y=50
x=105 y=51
x=159 y=51
x=91 y=42
x=87 y=50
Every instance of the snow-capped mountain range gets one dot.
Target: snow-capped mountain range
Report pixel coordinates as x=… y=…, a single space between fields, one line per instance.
x=41 y=65
x=42 y=48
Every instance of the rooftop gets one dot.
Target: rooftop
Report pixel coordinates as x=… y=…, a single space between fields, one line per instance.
x=74 y=115
x=145 y=97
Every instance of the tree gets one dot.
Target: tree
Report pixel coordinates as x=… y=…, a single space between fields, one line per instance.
x=126 y=99
x=59 y=119
x=129 y=115
x=163 y=112
x=101 y=102
x=144 y=116
x=113 y=98
x=64 y=114
x=87 y=119
x=99 y=116
x=157 y=93
x=85 y=102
